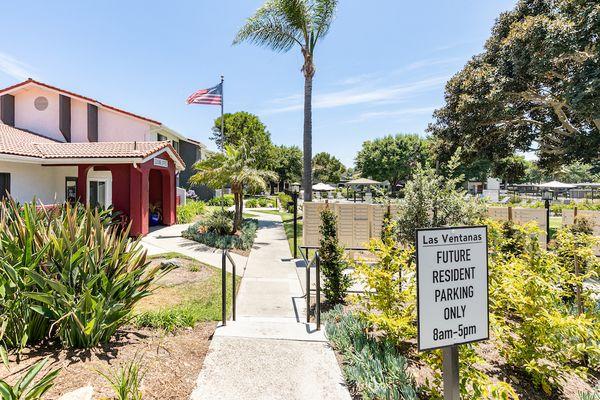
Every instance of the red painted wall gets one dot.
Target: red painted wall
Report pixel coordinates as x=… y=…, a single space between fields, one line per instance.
x=131 y=192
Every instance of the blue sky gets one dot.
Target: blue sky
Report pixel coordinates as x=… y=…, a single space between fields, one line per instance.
x=381 y=70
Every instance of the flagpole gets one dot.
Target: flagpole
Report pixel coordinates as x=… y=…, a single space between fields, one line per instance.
x=222 y=141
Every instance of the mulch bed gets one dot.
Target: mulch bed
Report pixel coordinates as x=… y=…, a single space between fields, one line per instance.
x=170 y=362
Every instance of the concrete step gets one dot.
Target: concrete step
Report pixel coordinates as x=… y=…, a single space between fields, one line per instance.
x=271 y=328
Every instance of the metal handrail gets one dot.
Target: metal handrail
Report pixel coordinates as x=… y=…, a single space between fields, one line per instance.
x=224 y=257
x=317 y=261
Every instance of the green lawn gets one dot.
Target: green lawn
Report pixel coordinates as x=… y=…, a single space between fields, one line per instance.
x=555 y=224
x=187 y=295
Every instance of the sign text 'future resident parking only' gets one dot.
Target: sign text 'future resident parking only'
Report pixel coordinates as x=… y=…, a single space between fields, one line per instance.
x=452 y=281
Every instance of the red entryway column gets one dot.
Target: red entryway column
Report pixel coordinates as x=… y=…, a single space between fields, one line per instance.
x=138 y=200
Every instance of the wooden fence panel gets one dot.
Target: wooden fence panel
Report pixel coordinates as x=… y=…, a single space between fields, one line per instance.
x=357 y=223
x=522 y=216
x=568 y=218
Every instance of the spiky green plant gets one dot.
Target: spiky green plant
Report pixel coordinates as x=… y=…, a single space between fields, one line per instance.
x=25 y=388
x=68 y=273
x=127 y=380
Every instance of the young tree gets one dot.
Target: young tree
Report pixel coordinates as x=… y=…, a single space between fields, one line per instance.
x=391 y=158
x=234 y=167
x=333 y=262
x=577 y=172
x=287 y=163
x=282 y=25
x=327 y=168
x=535 y=87
x=244 y=129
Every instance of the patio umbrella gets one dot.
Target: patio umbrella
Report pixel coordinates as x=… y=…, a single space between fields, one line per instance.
x=363 y=181
x=556 y=185
x=323 y=187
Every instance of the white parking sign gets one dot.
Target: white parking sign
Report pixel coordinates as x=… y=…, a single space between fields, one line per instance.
x=452 y=286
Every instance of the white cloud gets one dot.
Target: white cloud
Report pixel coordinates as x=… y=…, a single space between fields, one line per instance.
x=426 y=63
x=394 y=113
x=15 y=68
x=362 y=95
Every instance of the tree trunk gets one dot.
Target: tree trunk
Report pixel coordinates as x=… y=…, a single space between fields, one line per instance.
x=238 y=200
x=307 y=175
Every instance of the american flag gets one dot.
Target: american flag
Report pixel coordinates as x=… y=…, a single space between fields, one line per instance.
x=213 y=96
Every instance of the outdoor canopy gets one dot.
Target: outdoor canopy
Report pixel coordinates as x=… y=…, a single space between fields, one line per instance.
x=556 y=185
x=362 y=181
x=323 y=187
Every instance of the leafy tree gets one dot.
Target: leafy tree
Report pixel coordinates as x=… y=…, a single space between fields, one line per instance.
x=327 y=168
x=287 y=163
x=534 y=174
x=244 y=129
x=577 y=172
x=281 y=25
x=535 y=87
x=234 y=168
x=391 y=158
x=510 y=169
x=431 y=200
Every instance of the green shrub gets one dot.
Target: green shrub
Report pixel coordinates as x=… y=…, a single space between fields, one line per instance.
x=219 y=222
x=226 y=200
x=431 y=201
x=284 y=201
x=69 y=274
x=187 y=212
x=252 y=203
x=24 y=389
x=375 y=367
x=333 y=262
x=389 y=299
x=243 y=240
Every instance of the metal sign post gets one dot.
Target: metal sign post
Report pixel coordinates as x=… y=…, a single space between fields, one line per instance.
x=452 y=294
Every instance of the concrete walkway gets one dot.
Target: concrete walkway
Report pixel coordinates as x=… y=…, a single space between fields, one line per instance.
x=168 y=239
x=268 y=353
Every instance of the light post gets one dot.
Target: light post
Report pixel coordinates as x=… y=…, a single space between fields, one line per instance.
x=547 y=196
x=295 y=192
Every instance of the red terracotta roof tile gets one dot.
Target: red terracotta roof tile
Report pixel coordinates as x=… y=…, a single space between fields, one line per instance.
x=19 y=142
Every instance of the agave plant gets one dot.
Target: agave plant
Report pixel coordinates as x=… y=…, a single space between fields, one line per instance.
x=25 y=388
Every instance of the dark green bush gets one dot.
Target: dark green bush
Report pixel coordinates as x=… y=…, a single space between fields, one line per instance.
x=219 y=222
x=376 y=368
x=333 y=262
x=243 y=241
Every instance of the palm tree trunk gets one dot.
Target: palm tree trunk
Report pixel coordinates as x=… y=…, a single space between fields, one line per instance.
x=307 y=143
x=237 y=215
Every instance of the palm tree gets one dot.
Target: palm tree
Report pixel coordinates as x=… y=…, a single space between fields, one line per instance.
x=234 y=168
x=281 y=25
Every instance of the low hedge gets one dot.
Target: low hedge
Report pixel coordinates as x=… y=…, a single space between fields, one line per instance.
x=226 y=200
x=187 y=212
x=374 y=368
x=242 y=240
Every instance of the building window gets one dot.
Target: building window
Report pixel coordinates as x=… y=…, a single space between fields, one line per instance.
x=175 y=146
x=99 y=189
x=4 y=185
x=71 y=189
x=161 y=138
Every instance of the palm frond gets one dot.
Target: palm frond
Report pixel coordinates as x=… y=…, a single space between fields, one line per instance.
x=270 y=27
x=323 y=15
